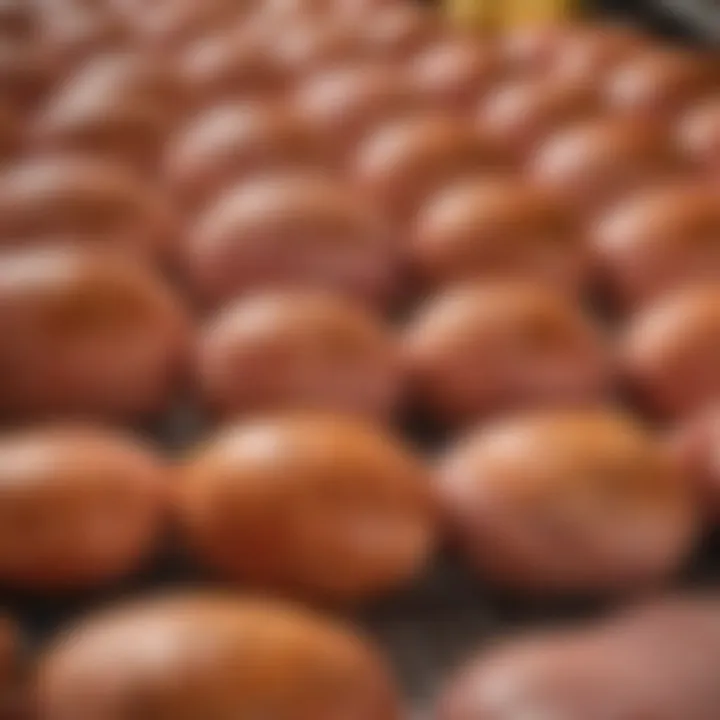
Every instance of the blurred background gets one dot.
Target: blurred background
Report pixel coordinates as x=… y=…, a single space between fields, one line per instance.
x=695 y=20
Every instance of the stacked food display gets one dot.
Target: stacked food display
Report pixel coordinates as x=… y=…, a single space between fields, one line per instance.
x=331 y=331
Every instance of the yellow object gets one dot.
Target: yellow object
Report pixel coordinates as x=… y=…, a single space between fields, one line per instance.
x=498 y=14
x=476 y=14
x=520 y=12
